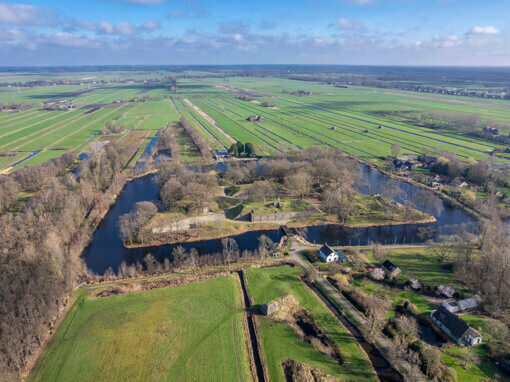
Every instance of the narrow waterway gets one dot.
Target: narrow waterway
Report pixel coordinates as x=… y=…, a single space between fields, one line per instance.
x=106 y=248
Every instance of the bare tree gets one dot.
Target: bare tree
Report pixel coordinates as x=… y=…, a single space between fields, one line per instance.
x=376 y=309
x=230 y=250
x=261 y=190
x=298 y=184
x=379 y=253
x=171 y=193
x=396 y=150
x=266 y=245
x=443 y=248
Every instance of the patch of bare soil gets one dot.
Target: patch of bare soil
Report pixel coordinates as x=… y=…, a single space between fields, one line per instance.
x=301 y=372
x=305 y=327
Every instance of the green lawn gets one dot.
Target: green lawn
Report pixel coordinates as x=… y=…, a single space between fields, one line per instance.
x=287 y=205
x=188 y=333
x=420 y=263
x=279 y=341
x=396 y=296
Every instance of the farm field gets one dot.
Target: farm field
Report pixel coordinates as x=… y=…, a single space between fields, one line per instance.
x=280 y=342
x=187 y=333
x=348 y=119
x=51 y=133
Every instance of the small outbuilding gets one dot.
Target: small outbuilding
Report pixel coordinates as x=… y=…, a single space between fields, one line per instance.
x=455 y=327
x=455 y=306
x=391 y=269
x=269 y=308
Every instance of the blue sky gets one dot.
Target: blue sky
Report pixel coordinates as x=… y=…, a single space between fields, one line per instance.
x=373 y=32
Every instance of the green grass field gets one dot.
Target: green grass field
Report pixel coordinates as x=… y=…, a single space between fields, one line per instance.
x=293 y=124
x=279 y=341
x=422 y=264
x=188 y=333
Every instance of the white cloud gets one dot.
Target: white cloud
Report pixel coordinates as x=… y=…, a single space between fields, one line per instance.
x=484 y=30
x=344 y=23
x=122 y=29
x=150 y=25
x=70 y=40
x=21 y=14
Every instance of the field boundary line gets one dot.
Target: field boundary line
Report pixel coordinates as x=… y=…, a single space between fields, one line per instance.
x=84 y=126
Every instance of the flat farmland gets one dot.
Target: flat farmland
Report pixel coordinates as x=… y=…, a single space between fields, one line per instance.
x=55 y=132
x=348 y=119
x=187 y=333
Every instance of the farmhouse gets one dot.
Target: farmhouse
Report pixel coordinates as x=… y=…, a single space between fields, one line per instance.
x=460 y=306
x=57 y=105
x=391 y=269
x=327 y=254
x=455 y=327
x=221 y=154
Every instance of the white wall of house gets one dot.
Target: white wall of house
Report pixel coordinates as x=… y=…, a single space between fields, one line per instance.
x=328 y=258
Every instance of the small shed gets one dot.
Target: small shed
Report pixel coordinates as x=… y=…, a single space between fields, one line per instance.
x=341 y=257
x=460 y=306
x=269 y=308
x=391 y=269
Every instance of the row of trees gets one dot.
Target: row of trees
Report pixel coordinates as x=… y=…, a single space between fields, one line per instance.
x=181 y=259
x=198 y=140
x=40 y=246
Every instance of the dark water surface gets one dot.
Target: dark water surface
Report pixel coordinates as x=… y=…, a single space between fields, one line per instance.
x=106 y=248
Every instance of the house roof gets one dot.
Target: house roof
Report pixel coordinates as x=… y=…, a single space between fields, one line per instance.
x=326 y=249
x=341 y=255
x=389 y=266
x=457 y=326
x=468 y=303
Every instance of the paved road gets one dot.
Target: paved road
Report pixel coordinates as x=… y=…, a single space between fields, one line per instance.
x=383 y=341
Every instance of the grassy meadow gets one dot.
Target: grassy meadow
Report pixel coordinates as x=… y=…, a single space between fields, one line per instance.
x=349 y=118
x=187 y=333
x=280 y=342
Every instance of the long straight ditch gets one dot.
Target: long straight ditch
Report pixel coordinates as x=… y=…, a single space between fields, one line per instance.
x=257 y=358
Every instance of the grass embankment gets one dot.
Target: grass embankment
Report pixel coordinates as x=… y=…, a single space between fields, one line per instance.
x=189 y=333
x=280 y=342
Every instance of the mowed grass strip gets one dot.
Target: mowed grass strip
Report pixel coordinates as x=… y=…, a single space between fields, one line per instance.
x=188 y=333
x=280 y=342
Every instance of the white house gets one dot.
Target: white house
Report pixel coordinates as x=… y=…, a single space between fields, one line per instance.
x=327 y=254
x=455 y=327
